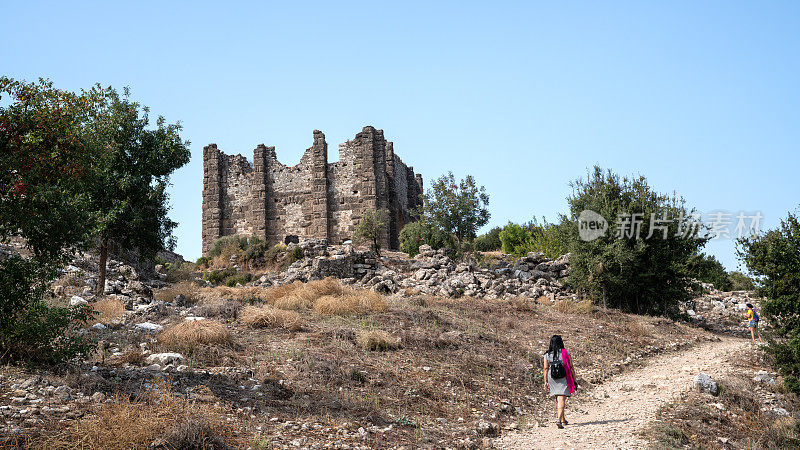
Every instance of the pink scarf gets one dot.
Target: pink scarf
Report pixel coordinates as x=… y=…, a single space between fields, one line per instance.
x=568 y=366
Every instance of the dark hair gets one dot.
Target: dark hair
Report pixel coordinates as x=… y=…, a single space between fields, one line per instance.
x=556 y=344
x=750 y=305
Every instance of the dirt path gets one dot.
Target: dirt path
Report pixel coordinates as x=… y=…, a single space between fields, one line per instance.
x=617 y=409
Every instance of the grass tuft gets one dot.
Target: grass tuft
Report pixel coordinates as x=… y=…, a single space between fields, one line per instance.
x=108 y=311
x=189 y=335
x=377 y=340
x=268 y=317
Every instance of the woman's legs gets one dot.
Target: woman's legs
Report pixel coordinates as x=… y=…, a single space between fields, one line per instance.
x=561 y=401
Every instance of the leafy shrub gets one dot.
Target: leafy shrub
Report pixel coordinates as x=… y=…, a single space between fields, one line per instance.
x=489 y=242
x=239 y=278
x=296 y=255
x=708 y=269
x=31 y=329
x=774 y=258
x=634 y=273
x=548 y=238
x=218 y=276
x=416 y=234
x=228 y=245
x=372 y=228
x=202 y=262
x=180 y=272
x=514 y=239
x=740 y=281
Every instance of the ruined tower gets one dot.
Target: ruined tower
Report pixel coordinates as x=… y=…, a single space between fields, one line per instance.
x=313 y=199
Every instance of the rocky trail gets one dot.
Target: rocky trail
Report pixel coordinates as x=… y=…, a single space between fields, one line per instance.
x=611 y=416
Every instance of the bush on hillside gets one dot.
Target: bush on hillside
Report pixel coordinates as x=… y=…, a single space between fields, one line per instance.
x=708 y=269
x=416 y=234
x=741 y=282
x=631 y=271
x=489 y=241
x=774 y=258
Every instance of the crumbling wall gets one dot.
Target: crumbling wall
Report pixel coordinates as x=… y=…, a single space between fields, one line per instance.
x=313 y=199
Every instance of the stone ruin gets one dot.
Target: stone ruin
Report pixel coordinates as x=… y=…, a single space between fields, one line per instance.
x=314 y=199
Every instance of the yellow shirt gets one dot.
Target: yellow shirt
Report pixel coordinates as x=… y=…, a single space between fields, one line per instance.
x=749 y=314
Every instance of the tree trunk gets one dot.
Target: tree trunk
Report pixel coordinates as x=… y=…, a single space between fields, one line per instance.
x=101 y=282
x=604 y=298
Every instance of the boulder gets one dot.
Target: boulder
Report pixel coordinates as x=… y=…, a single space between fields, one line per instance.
x=147 y=326
x=705 y=383
x=75 y=301
x=163 y=359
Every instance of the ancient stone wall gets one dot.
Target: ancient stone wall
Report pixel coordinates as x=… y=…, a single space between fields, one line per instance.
x=313 y=199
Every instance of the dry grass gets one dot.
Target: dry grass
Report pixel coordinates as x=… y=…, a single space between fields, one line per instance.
x=574 y=306
x=186 y=288
x=377 y=340
x=265 y=316
x=351 y=302
x=108 y=310
x=638 y=328
x=189 y=335
x=158 y=417
x=219 y=307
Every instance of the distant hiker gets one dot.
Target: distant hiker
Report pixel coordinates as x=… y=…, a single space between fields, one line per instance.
x=559 y=376
x=752 y=323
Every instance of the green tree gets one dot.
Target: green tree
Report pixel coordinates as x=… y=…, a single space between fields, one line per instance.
x=489 y=241
x=643 y=275
x=419 y=233
x=372 y=228
x=549 y=238
x=130 y=175
x=774 y=259
x=43 y=168
x=740 y=281
x=708 y=269
x=457 y=208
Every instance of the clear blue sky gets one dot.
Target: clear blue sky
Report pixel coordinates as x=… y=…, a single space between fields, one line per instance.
x=703 y=98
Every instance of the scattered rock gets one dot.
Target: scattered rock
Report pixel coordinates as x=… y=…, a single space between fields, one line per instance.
x=705 y=383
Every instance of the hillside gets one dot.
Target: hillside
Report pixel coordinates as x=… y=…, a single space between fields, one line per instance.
x=394 y=352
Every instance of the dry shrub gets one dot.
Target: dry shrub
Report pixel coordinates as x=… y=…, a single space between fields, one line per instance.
x=638 y=328
x=219 y=307
x=570 y=306
x=377 y=340
x=131 y=356
x=186 y=288
x=108 y=310
x=265 y=316
x=782 y=433
x=273 y=294
x=158 y=417
x=351 y=302
x=189 y=335
x=523 y=304
x=292 y=301
x=303 y=295
x=248 y=294
x=74 y=279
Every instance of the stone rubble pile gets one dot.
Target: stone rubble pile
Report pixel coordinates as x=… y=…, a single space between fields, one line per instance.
x=430 y=272
x=722 y=311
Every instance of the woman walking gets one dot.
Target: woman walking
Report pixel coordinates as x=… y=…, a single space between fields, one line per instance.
x=559 y=376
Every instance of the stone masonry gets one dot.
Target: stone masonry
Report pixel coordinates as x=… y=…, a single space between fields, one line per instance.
x=314 y=199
